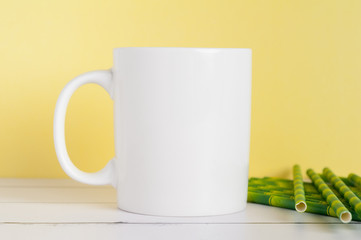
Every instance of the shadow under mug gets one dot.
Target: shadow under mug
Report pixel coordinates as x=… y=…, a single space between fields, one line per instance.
x=182 y=130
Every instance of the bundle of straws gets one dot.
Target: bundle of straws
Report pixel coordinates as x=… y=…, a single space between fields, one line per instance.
x=328 y=194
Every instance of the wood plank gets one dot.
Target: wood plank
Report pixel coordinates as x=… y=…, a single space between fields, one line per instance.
x=33 y=182
x=109 y=213
x=180 y=231
x=57 y=195
x=63 y=201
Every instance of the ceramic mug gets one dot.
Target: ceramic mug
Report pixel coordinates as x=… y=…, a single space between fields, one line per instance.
x=182 y=130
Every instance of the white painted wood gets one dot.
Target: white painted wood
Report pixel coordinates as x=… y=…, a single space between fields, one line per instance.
x=64 y=209
x=62 y=201
x=109 y=213
x=103 y=199
x=34 y=182
x=180 y=231
x=56 y=195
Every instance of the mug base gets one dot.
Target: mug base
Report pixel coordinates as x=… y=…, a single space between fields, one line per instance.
x=186 y=214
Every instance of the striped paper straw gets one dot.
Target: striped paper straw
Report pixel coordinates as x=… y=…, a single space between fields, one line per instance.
x=286 y=183
x=299 y=191
x=341 y=211
x=341 y=187
x=309 y=187
x=311 y=192
x=287 y=202
x=345 y=180
x=355 y=179
x=266 y=189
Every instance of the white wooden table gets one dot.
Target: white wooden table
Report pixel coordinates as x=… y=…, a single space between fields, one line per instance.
x=64 y=209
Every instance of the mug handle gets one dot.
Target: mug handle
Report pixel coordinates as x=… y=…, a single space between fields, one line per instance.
x=105 y=175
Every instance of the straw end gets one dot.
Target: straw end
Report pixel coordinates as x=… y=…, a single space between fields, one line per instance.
x=345 y=217
x=301 y=206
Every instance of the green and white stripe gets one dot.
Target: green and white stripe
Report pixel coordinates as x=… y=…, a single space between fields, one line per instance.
x=341 y=211
x=355 y=180
x=287 y=202
x=299 y=191
x=341 y=187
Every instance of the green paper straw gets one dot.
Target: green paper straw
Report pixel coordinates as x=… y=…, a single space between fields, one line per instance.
x=269 y=187
x=345 y=180
x=341 y=211
x=288 y=196
x=346 y=192
x=299 y=191
x=285 y=183
x=355 y=180
x=272 y=200
x=311 y=193
x=284 y=190
x=310 y=197
x=309 y=187
x=288 y=203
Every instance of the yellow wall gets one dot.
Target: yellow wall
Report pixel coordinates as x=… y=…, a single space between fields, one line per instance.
x=306 y=105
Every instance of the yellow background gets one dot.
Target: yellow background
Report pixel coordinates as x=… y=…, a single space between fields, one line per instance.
x=306 y=96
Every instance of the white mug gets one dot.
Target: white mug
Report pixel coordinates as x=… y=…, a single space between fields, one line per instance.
x=182 y=130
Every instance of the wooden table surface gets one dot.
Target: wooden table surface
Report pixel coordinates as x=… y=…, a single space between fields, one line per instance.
x=65 y=209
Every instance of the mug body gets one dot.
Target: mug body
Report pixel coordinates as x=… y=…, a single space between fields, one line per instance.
x=182 y=130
